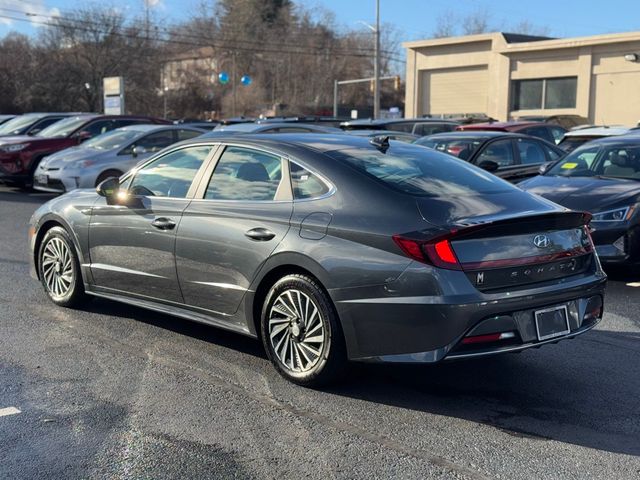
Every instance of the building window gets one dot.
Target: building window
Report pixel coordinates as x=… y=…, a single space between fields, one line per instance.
x=544 y=93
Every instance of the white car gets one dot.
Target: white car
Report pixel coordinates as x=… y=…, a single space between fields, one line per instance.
x=108 y=155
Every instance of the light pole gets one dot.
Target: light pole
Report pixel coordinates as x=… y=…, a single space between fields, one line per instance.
x=376 y=66
x=376 y=61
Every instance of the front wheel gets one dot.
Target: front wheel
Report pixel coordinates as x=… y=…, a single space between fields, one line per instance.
x=59 y=269
x=301 y=332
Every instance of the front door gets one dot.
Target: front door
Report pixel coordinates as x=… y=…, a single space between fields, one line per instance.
x=227 y=234
x=132 y=246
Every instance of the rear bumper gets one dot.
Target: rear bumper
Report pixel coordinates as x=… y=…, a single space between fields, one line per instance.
x=428 y=329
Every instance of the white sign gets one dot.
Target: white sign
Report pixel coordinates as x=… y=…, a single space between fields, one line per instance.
x=113 y=95
x=354 y=114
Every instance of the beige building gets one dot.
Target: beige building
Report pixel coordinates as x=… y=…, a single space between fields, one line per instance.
x=194 y=66
x=506 y=76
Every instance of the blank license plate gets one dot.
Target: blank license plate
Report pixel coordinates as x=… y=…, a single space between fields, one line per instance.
x=552 y=322
x=42 y=179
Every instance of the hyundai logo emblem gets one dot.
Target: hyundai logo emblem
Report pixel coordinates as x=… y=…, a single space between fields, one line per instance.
x=541 y=241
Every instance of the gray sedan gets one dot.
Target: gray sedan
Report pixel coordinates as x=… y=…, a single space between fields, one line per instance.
x=107 y=155
x=328 y=248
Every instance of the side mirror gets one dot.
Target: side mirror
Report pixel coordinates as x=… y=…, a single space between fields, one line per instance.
x=109 y=189
x=35 y=131
x=138 y=150
x=83 y=136
x=543 y=169
x=489 y=165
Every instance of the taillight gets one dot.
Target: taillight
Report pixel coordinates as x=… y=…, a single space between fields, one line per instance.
x=436 y=252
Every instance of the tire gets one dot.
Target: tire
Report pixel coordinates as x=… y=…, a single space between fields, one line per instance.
x=301 y=332
x=107 y=174
x=59 y=269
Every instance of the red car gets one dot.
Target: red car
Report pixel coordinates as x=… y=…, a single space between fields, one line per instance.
x=549 y=132
x=20 y=155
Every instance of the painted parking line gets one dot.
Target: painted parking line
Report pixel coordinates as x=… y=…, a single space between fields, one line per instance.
x=9 y=411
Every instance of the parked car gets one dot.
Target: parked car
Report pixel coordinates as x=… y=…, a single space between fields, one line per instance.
x=417 y=126
x=272 y=127
x=31 y=123
x=20 y=155
x=602 y=177
x=550 y=133
x=108 y=155
x=400 y=136
x=511 y=156
x=328 y=248
x=566 y=121
x=6 y=118
x=580 y=136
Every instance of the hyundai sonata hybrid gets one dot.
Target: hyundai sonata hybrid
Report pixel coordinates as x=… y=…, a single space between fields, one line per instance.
x=328 y=248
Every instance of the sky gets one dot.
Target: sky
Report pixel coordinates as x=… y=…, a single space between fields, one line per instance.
x=412 y=19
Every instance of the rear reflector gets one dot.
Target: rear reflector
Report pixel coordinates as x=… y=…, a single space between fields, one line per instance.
x=491 y=337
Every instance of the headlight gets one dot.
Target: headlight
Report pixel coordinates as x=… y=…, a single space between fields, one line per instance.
x=79 y=164
x=617 y=215
x=14 y=148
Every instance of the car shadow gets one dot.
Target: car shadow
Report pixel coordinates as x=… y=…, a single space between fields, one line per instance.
x=584 y=392
x=561 y=392
x=196 y=330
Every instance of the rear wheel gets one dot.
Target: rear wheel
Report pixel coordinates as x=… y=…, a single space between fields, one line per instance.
x=107 y=174
x=59 y=269
x=301 y=332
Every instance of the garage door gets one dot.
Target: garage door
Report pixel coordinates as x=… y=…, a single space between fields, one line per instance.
x=616 y=99
x=454 y=91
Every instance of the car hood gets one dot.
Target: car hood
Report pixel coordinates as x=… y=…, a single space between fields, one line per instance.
x=465 y=210
x=72 y=154
x=16 y=139
x=592 y=194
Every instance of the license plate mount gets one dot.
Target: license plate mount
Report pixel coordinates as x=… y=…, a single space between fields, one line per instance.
x=552 y=322
x=42 y=179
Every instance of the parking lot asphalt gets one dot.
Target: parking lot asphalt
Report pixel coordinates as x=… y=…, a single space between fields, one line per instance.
x=113 y=391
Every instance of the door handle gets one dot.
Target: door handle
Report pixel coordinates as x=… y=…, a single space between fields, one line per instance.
x=163 y=223
x=259 y=234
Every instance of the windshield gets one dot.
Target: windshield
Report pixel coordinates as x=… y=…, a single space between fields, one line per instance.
x=619 y=161
x=112 y=140
x=16 y=125
x=421 y=172
x=63 y=128
x=462 y=148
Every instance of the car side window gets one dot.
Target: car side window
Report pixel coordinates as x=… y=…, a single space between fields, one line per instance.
x=187 y=134
x=170 y=175
x=245 y=174
x=530 y=152
x=42 y=124
x=306 y=184
x=98 y=127
x=499 y=151
x=406 y=127
x=558 y=134
x=154 y=142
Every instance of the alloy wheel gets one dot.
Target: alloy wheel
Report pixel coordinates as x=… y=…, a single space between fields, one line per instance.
x=57 y=268
x=296 y=331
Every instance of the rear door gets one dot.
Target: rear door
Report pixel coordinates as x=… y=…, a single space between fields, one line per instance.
x=241 y=213
x=132 y=245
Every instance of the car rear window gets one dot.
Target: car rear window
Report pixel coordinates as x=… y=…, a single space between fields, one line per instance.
x=420 y=171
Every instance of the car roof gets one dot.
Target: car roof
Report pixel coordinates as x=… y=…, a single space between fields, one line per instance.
x=363 y=132
x=632 y=138
x=322 y=142
x=254 y=127
x=390 y=121
x=150 y=127
x=485 y=134
x=597 y=131
x=505 y=125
